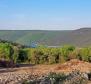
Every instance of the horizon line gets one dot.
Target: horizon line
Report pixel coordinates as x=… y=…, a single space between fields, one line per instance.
x=43 y=29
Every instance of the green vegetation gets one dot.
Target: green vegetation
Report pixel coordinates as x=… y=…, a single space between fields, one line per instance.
x=79 y=38
x=6 y=51
x=25 y=37
x=43 y=55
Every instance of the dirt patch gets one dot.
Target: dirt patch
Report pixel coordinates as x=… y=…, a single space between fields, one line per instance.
x=22 y=73
x=74 y=65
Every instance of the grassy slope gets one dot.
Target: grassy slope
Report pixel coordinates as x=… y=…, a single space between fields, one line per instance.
x=81 y=37
x=24 y=37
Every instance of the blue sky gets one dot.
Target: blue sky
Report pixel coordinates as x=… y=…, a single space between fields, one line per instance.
x=45 y=14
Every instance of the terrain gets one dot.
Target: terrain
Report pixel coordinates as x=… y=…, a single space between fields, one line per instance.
x=17 y=75
x=80 y=37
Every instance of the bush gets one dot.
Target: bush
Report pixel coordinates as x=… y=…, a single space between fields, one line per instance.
x=43 y=55
x=65 y=50
x=22 y=56
x=6 y=51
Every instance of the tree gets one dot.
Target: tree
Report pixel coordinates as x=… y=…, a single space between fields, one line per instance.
x=6 y=51
x=28 y=54
x=15 y=54
x=22 y=56
x=65 y=50
x=35 y=55
x=85 y=53
x=54 y=55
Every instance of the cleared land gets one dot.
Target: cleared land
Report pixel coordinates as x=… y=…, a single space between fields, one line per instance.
x=17 y=75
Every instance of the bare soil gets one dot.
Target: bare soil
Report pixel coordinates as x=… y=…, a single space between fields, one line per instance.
x=14 y=75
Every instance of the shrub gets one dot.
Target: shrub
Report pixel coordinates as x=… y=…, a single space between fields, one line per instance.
x=6 y=51
x=65 y=50
x=22 y=56
x=85 y=53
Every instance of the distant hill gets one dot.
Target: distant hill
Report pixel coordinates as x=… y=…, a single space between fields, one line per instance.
x=80 y=37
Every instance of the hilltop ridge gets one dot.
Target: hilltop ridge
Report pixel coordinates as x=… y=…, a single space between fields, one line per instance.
x=79 y=37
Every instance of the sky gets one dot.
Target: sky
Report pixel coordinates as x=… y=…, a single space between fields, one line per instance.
x=44 y=14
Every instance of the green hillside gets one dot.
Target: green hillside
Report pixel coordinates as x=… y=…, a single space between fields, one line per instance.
x=26 y=36
x=80 y=37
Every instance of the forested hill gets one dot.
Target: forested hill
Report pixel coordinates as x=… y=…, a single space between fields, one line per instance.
x=80 y=37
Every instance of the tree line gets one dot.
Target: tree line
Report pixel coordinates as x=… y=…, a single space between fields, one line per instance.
x=43 y=55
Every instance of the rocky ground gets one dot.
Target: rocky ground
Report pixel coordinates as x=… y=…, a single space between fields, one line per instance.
x=18 y=75
x=13 y=77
